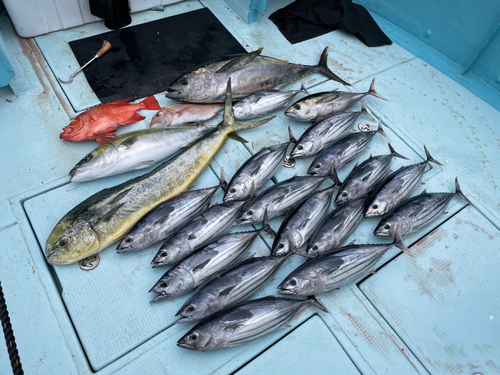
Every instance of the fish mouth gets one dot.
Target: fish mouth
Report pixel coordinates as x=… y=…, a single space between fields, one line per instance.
x=285 y=291
x=380 y=233
x=184 y=345
x=50 y=258
x=184 y=320
x=159 y=297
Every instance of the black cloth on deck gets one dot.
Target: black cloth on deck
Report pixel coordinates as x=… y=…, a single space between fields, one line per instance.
x=115 y=13
x=306 y=19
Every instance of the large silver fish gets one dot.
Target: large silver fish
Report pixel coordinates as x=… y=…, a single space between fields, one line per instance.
x=107 y=216
x=342 y=151
x=250 y=73
x=136 y=150
x=200 y=231
x=366 y=177
x=257 y=171
x=166 y=218
x=336 y=227
x=321 y=105
x=245 y=322
x=398 y=186
x=264 y=102
x=332 y=270
x=280 y=198
x=229 y=287
x=321 y=135
x=416 y=212
x=199 y=267
x=302 y=222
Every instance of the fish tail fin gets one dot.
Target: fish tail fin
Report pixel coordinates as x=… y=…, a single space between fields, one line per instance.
x=317 y=303
x=230 y=123
x=395 y=154
x=458 y=192
x=399 y=243
x=380 y=129
x=430 y=158
x=371 y=91
x=291 y=138
x=364 y=111
x=323 y=68
x=150 y=103
x=303 y=88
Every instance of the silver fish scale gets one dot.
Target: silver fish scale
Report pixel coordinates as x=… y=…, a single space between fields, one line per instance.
x=416 y=212
x=256 y=172
x=262 y=103
x=280 y=198
x=302 y=222
x=340 y=153
x=166 y=218
x=364 y=177
x=246 y=322
x=336 y=227
x=198 y=268
x=199 y=232
x=323 y=134
x=233 y=285
x=399 y=186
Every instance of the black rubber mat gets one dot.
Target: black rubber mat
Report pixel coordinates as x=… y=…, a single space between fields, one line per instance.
x=146 y=58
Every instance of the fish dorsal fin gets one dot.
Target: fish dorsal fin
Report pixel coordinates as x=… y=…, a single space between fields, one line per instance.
x=228 y=106
x=129 y=141
x=328 y=98
x=239 y=62
x=226 y=291
x=120 y=196
x=352 y=242
x=423 y=192
x=201 y=265
x=105 y=218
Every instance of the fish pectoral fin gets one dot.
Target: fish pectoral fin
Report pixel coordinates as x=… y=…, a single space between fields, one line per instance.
x=135 y=118
x=236 y=137
x=239 y=62
x=303 y=224
x=256 y=171
x=106 y=137
x=105 y=218
x=286 y=325
x=226 y=291
x=328 y=98
x=192 y=236
x=120 y=196
x=201 y=265
x=232 y=326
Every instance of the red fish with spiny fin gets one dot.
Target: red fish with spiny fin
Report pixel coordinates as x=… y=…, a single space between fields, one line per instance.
x=100 y=122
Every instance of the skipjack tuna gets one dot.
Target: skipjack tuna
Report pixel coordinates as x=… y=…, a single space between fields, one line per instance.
x=100 y=122
x=415 y=213
x=245 y=322
x=250 y=73
x=321 y=105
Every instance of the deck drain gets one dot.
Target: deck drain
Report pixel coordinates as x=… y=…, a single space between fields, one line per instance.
x=289 y=162
x=88 y=264
x=364 y=127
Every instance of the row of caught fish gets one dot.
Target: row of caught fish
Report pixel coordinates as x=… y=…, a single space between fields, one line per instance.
x=144 y=148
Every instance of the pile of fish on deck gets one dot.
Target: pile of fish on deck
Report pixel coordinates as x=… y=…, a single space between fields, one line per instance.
x=154 y=207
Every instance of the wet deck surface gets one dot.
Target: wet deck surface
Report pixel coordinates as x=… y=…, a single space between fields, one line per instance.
x=435 y=313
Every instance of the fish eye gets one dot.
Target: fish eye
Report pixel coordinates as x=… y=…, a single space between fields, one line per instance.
x=374 y=206
x=250 y=212
x=190 y=308
x=293 y=282
x=314 y=248
x=344 y=194
x=232 y=191
x=157 y=115
x=63 y=242
x=193 y=337
x=300 y=147
x=163 y=284
x=183 y=82
x=163 y=254
x=86 y=159
x=128 y=240
x=317 y=166
x=387 y=226
x=281 y=246
x=296 y=106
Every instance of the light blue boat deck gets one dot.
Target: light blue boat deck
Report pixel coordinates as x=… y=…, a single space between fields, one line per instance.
x=436 y=313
